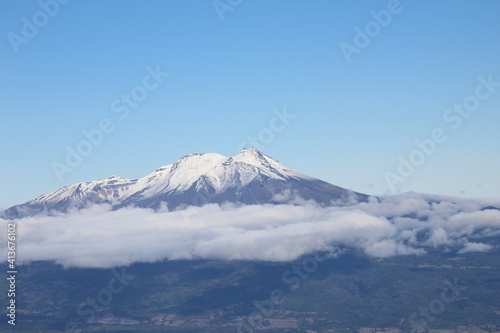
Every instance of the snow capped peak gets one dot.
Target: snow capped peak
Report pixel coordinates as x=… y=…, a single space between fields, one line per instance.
x=249 y=177
x=211 y=170
x=255 y=157
x=251 y=150
x=274 y=168
x=191 y=167
x=207 y=170
x=197 y=158
x=114 y=179
x=250 y=154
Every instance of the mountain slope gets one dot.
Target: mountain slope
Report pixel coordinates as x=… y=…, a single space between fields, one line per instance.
x=250 y=177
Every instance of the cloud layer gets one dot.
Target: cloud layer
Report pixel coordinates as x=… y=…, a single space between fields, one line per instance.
x=409 y=224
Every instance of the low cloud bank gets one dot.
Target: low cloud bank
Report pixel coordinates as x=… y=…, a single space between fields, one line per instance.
x=398 y=225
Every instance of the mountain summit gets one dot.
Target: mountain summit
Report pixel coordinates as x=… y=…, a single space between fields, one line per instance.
x=250 y=177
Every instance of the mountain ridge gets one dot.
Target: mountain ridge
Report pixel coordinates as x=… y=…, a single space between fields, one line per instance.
x=250 y=177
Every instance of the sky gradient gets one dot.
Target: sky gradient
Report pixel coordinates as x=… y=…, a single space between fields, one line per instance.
x=276 y=71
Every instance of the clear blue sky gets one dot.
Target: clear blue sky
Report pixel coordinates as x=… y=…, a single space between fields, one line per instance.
x=352 y=119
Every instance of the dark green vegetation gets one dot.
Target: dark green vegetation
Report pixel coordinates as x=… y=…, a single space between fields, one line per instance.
x=350 y=291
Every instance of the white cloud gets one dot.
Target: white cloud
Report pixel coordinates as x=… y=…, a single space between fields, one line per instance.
x=398 y=225
x=475 y=247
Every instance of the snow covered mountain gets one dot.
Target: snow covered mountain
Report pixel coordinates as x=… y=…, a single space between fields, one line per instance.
x=250 y=177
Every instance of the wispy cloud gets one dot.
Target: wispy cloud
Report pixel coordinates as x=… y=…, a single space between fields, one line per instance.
x=409 y=224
